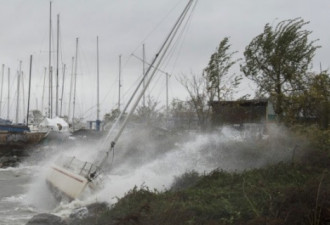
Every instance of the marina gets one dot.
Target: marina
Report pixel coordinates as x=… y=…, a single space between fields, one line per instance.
x=121 y=113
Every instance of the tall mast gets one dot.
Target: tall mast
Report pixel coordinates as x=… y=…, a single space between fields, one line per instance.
x=29 y=92
x=51 y=92
x=49 y=63
x=71 y=84
x=57 y=54
x=167 y=76
x=98 y=80
x=63 y=78
x=23 y=91
x=2 y=75
x=119 y=82
x=8 y=93
x=144 y=71
x=75 y=85
x=43 y=91
x=157 y=60
x=155 y=63
x=18 y=84
x=98 y=86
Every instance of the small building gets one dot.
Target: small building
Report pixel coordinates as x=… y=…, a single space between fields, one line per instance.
x=242 y=112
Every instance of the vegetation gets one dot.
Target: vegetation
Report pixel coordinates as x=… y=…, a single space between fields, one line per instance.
x=278 y=60
x=149 y=113
x=196 y=88
x=220 y=83
x=312 y=104
x=216 y=83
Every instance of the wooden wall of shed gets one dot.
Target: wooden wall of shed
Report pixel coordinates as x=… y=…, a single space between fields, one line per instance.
x=239 y=113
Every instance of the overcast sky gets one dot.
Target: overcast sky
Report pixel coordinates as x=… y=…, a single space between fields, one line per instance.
x=123 y=26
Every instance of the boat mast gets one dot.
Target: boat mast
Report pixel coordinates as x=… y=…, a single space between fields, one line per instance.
x=2 y=75
x=119 y=83
x=8 y=93
x=29 y=92
x=75 y=85
x=144 y=71
x=18 y=84
x=98 y=86
x=23 y=95
x=49 y=63
x=158 y=58
x=43 y=91
x=167 y=76
x=71 y=84
x=63 y=77
x=162 y=51
x=57 y=54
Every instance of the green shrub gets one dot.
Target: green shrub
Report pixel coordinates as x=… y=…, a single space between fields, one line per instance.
x=186 y=180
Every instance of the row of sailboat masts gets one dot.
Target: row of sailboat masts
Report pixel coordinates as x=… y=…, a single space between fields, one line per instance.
x=50 y=68
x=20 y=85
x=1 y=92
x=74 y=74
x=19 y=77
x=58 y=107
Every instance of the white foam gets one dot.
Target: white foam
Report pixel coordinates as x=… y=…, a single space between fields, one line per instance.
x=224 y=148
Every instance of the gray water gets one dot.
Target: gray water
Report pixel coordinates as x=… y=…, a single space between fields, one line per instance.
x=13 y=188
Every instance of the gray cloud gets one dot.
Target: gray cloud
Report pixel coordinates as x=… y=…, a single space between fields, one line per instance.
x=123 y=26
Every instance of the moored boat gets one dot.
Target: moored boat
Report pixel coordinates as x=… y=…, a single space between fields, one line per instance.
x=18 y=136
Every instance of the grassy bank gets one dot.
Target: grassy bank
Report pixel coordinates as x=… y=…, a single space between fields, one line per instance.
x=295 y=192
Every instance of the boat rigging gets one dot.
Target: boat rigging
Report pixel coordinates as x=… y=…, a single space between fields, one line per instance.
x=71 y=177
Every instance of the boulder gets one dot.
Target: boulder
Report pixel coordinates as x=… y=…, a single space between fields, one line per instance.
x=87 y=214
x=46 y=219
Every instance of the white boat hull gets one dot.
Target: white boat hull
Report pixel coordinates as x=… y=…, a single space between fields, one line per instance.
x=66 y=182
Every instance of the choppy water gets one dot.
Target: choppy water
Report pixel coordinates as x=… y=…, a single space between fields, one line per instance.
x=23 y=192
x=13 y=189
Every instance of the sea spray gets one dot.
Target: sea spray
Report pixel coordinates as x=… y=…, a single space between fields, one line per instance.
x=145 y=158
x=226 y=148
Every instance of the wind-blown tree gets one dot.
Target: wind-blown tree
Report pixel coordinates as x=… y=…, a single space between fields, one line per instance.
x=219 y=84
x=279 y=59
x=215 y=83
x=312 y=103
x=150 y=113
x=196 y=87
x=319 y=90
x=183 y=115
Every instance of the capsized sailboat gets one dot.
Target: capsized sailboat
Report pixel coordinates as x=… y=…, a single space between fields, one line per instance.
x=71 y=177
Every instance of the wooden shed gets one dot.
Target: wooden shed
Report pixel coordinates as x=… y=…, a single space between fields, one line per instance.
x=242 y=112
